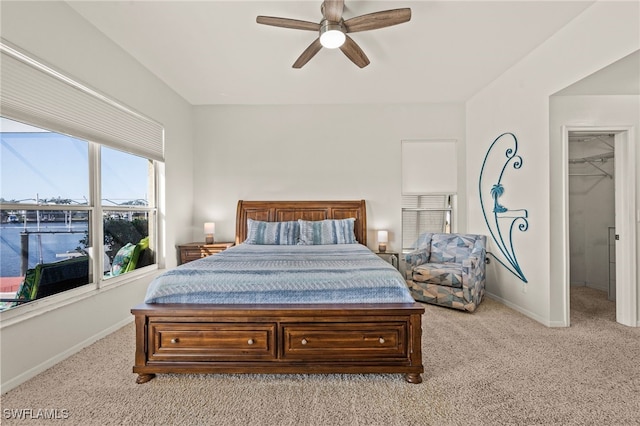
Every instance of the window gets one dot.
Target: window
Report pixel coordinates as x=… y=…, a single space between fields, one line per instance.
x=47 y=206
x=127 y=207
x=424 y=213
x=78 y=183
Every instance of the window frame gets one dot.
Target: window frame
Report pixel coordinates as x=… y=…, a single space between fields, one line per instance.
x=95 y=209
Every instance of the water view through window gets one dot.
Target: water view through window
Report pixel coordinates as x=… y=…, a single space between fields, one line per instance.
x=47 y=206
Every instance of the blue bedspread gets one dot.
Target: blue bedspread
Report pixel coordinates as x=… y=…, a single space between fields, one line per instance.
x=250 y=274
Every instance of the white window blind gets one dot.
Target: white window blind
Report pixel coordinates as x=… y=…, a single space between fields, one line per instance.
x=429 y=167
x=35 y=93
x=424 y=213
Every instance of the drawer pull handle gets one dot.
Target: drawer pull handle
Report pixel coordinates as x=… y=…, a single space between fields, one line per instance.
x=381 y=340
x=175 y=340
x=304 y=341
x=250 y=342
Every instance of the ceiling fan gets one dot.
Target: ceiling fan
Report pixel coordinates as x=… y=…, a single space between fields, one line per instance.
x=333 y=29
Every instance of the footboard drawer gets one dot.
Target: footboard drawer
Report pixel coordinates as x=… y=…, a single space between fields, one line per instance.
x=345 y=341
x=211 y=341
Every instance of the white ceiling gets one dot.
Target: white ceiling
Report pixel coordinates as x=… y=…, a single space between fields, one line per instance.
x=214 y=52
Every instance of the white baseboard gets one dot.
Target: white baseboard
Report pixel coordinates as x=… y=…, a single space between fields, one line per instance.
x=525 y=312
x=32 y=372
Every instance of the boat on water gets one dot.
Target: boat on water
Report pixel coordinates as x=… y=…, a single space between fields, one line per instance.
x=12 y=218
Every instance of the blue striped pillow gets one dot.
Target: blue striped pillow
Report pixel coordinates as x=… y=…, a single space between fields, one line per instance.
x=329 y=231
x=272 y=233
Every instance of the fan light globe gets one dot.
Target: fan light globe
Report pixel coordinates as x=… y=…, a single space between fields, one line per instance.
x=332 y=39
x=331 y=34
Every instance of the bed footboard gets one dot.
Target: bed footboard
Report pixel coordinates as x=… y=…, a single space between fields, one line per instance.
x=376 y=338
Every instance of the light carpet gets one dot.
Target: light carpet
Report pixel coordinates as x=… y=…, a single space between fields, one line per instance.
x=492 y=367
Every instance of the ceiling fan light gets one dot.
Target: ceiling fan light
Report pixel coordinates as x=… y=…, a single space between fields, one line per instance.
x=331 y=35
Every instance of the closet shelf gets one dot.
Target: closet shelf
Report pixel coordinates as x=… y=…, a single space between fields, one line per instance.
x=592 y=160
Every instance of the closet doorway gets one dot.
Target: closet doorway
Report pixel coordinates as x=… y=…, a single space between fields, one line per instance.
x=601 y=215
x=592 y=211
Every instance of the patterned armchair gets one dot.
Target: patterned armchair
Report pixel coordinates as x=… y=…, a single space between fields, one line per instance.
x=448 y=270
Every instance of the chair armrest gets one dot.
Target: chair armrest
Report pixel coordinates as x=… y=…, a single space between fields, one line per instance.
x=479 y=249
x=417 y=257
x=471 y=262
x=473 y=271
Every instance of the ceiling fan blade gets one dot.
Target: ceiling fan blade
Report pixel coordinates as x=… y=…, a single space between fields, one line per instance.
x=373 y=21
x=351 y=49
x=288 y=23
x=308 y=53
x=332 y=10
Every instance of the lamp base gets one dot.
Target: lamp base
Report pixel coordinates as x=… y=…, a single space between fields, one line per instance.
x=208 y=239
x=382 y=248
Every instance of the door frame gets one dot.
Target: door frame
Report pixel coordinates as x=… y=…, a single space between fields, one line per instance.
x=625 y=220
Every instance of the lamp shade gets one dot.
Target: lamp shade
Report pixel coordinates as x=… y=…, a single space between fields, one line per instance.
x=209 y=228
x=383 y=237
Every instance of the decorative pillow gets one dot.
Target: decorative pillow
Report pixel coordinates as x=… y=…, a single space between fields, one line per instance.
x=142 y=245
x=29 y=286
x=329 y=231
x=272 y=233
x=122 y=259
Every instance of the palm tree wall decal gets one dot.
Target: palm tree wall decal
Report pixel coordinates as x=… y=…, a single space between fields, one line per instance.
x=501 y=220
x=496 y=191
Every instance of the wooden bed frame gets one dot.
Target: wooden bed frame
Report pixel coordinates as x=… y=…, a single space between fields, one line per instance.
x=336 y=338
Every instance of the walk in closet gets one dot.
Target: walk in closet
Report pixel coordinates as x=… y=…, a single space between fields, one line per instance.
x=592 y=211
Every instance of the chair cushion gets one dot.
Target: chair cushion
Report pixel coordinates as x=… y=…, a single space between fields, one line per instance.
x=446 y=274
x=446 y=248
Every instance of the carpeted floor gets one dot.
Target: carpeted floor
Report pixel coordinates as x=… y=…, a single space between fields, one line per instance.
x=492 y=367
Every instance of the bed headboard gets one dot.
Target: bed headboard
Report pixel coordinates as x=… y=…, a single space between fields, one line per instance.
x=280 y=211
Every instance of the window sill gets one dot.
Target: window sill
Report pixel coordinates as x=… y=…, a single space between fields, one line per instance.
x=39 y=307
x=110 y=282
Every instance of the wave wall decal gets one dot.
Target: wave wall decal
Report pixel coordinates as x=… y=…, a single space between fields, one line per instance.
x=501 y=220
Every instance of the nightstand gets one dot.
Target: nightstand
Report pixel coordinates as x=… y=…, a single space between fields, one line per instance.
x=194 y=251
x=390 y=257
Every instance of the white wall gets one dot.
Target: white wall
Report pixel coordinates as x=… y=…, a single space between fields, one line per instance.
x=301 y=152
x=518 y=102
x=54 y=33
